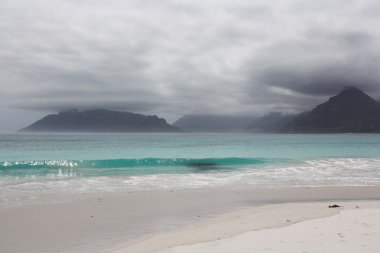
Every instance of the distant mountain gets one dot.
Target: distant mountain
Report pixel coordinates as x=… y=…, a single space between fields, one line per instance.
x=272 y=122
x=213 y=123
x=351 y=111
x=100 y=121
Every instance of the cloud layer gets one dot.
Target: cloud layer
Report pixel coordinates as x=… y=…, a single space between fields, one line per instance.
x=178 y=57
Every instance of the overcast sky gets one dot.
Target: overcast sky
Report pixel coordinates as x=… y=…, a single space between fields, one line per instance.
x=179 y=57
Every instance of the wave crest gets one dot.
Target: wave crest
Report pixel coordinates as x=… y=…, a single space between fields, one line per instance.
x=126 y=163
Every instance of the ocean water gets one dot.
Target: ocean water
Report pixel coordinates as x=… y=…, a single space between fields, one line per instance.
x=35 y=166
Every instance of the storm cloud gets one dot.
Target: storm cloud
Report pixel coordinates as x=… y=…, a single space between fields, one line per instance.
x=184 y=57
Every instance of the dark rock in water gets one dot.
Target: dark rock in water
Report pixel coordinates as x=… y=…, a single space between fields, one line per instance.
x=200 y=164
x=100 y=121
x=351 y=111
x=213 y=123
x=204 y=166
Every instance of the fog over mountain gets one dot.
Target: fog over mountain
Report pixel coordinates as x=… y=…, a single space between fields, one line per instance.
x=271 y=123
x=214 y=123
x=171 y=58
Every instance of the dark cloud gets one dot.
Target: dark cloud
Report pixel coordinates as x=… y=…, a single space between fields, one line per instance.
x=325 y=79
x=175 y=57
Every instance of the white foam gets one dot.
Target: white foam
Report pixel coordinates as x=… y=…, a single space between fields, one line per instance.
x=324 y=172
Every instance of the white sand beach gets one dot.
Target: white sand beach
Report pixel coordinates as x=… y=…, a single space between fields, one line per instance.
x=352 y=230
x=296 y=227
x=166 y=220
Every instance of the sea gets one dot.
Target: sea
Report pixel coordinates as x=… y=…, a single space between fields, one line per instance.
x=35 y=166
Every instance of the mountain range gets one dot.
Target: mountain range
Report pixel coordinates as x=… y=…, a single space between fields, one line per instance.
x=100 y=121
x=350 y=111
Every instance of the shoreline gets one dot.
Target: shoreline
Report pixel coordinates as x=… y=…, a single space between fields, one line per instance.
x=100 y=222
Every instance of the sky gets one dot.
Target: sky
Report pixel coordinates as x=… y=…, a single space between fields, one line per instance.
x=246 y=57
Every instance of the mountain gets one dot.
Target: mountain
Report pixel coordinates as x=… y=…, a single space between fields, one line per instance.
x=351 y=111
x=100 y=121
x=213 y=123
x=271 y=123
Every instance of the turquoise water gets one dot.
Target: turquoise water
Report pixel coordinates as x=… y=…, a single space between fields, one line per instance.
x=170 y=153
x=114 y=162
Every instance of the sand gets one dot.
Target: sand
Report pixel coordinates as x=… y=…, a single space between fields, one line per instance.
x=351 y=231
x=285 y=228
x=120 y=222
